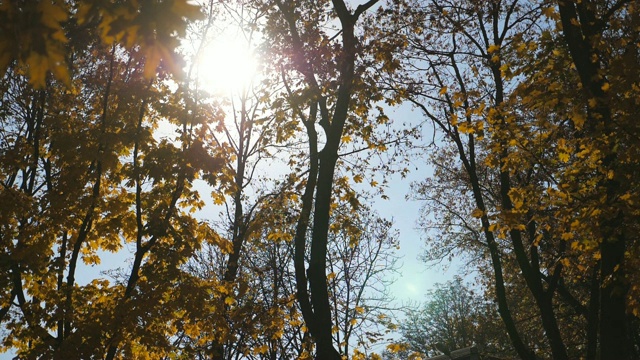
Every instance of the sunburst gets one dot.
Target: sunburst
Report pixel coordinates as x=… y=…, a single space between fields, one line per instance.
x=227 y=65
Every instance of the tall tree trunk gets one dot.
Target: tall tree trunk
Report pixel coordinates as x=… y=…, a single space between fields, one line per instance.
x=501 y=294
x=316 y=310
x=580 y=33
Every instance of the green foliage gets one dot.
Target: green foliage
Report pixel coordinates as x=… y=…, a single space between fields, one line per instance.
x=453 y=317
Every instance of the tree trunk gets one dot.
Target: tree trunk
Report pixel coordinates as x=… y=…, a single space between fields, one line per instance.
x=317 y=311
x=579 y=33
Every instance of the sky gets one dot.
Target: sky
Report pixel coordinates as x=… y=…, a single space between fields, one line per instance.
x=414 y=278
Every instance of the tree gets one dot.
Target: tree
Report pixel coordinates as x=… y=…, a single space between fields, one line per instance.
x=82 y=174
x=508 y=148
x=452 y=318
x=102 y=182
x=361 y=262
x=259 y=318
x=246 y=133
x=328 y=90
x=470 y=43
x=586 y=29
x=536 y=168
x=264 y=321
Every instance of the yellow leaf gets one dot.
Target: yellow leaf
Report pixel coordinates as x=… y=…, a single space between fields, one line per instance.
x=567 y=236
x=38 y=66
x=493 y=48
x=605 y=87
x=83 y=11
x=504 y=69
x=218 y=199
x=261 y=349
x=59 y=68
x=477 y=213
x=357 y=178
x=59 y=36
x=578 y=120
x=394 y=348
x=454 y=119
x=443 y=91
x=229 y=300
x=132 y=35
x=575 y=224
x=563 y=156
x=154 y=54
x=548 y=11
x=517 y=198
x=466 y=128
x=627 y=197
x=52 y=14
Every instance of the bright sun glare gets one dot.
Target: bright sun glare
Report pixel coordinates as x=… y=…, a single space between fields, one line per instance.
x=227 y=65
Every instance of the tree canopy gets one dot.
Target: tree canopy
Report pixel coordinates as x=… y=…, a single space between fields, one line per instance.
x=143 y=216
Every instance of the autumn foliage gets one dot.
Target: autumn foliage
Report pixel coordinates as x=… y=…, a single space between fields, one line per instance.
x=242 y=226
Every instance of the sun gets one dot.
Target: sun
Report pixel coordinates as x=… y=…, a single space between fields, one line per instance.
x=227 y=65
